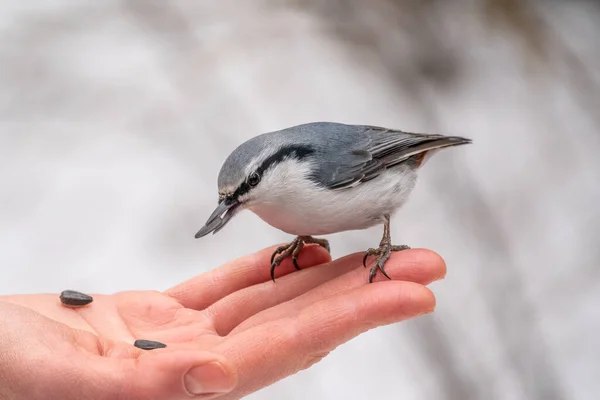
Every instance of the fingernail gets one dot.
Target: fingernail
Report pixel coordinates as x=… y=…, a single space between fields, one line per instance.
x=209 y=378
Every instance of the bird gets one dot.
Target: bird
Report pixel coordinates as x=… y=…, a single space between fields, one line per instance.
x=321 y=178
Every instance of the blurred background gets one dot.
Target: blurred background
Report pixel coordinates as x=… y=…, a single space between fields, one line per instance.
x=115 y=117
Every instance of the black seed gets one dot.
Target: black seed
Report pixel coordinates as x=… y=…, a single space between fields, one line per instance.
x=148 y=344
x=75 y=299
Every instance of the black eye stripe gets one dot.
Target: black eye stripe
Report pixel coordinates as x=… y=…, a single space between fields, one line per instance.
x=297 y=152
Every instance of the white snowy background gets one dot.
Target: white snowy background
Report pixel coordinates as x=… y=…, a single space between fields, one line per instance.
x=115 y=117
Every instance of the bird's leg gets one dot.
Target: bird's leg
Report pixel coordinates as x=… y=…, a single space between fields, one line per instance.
x=293 y=249
x=383 y=251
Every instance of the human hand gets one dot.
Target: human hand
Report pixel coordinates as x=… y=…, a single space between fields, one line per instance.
x=230 y=331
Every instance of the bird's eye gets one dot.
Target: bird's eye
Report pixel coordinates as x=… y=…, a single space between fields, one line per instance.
x=254 y=179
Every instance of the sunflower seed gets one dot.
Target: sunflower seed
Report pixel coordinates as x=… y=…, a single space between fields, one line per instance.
x=75 y=299
x=148 y=344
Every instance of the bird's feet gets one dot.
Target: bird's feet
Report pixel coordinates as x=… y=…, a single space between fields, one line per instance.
x=383 y=252
x=293 y=249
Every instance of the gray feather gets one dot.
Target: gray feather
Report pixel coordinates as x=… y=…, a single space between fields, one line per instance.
x=356 y=153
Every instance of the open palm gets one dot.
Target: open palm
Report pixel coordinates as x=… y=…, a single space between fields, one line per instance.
x=229 y=332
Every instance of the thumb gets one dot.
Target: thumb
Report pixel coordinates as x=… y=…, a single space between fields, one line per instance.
x=176 y=374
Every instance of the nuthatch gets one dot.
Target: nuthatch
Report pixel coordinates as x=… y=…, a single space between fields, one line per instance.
x=322 y=178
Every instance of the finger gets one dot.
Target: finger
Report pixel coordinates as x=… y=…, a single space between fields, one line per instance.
x=279 y=348
x=164 y=373
x=419 y=266
x=205 y=289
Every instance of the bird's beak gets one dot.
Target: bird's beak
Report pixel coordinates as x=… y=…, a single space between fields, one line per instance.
x=226 y=209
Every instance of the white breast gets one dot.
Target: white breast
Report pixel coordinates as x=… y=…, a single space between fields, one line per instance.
x=287 y=200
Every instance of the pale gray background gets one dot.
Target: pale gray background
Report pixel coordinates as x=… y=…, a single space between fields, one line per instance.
x=116 y=115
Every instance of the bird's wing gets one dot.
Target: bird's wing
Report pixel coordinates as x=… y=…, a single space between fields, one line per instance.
x=376 y=150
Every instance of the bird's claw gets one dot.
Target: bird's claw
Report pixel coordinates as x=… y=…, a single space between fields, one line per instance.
x=278 y=250
x=273 y=266
x=280 y=254
x=384 y=251
x=293 y=249
x=298 y=247
x=369 y=252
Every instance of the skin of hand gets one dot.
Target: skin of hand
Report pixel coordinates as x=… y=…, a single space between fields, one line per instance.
x=229 y=332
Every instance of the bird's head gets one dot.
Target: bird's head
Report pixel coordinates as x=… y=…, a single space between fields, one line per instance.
x=254 y=173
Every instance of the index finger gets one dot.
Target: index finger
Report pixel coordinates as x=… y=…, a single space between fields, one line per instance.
x=205 y=289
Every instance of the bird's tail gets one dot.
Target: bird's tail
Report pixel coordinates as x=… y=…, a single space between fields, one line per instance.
x=430 y=145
